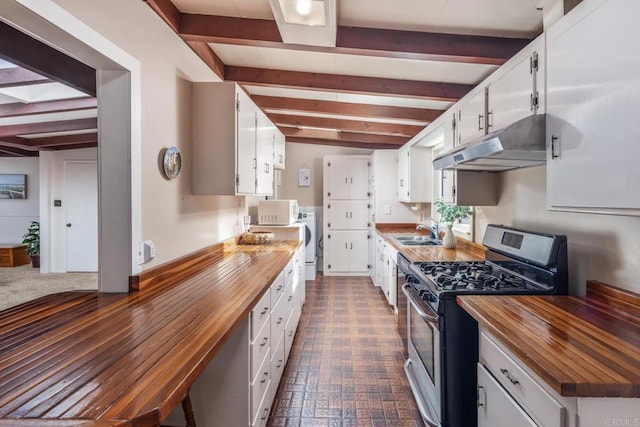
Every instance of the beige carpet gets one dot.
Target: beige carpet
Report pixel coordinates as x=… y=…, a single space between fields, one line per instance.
x=24 y=283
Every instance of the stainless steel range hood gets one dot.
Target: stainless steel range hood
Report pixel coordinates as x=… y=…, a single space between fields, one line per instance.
x=519 y=145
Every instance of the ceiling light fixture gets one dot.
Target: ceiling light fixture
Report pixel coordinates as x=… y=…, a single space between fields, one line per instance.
x=303 y=7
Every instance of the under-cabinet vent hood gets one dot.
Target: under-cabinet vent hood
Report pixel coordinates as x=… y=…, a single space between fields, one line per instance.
x=519 y=145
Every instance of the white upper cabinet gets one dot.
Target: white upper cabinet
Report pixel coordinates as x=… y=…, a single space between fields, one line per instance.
x=471 y=121
x=519 y=92
x=593 y=104
x=414 y=174
x=349 y=214
x=264 y=154
x=232 y=142
x=278 y=148
x=348 y=178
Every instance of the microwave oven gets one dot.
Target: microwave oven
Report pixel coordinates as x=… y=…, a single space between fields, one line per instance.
x=277 y=212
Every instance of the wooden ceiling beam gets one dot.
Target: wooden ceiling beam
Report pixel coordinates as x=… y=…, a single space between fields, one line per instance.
x=359 y=126
x=6 y=151
x=42 y=127
x=20 y=109
x=330 y=135
x=27 y=52
x=354 y=40
x=367 y=145
x=173 y=17
x=449 y=92
x=56 y=140
x=71 y=146
x=346 y=108
x=18 y=76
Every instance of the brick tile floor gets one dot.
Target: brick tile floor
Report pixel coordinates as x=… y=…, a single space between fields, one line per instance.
x=345 y=367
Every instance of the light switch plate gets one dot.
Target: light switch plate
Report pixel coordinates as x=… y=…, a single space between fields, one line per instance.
x=146 y=251
x=387 y=209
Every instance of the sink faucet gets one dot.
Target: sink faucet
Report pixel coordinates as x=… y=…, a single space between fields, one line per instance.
x=434 y=229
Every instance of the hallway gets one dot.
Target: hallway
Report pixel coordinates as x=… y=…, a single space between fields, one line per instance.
x=345 y=367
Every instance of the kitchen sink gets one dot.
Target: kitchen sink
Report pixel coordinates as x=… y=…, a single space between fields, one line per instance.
x=417 y=241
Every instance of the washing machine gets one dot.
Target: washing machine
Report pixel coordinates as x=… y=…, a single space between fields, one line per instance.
x=309 y=221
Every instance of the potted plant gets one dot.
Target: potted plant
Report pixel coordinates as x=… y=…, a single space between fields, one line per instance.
x=449 y=214
x=32 y=240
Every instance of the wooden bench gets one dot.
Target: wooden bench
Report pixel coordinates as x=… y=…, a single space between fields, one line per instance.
x=13 y=254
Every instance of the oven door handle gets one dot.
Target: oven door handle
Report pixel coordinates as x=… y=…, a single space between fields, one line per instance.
x=426 y=416
x=428 y=317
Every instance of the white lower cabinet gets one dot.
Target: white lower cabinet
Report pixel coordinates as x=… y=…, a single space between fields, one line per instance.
x=238 y=387
x=495 y=406
x=348 y=251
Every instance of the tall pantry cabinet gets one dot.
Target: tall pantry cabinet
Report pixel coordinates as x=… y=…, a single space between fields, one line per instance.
x=346 y=215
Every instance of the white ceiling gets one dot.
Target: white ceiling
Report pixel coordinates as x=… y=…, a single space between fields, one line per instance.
x=493 y=17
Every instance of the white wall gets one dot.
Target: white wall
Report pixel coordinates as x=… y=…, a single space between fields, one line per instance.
x=601 y=247
x=175 y=220
x=15 y=215
x=385 y=182
x=53 y=230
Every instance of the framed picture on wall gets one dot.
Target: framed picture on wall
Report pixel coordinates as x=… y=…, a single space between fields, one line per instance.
x=304 y=177
x=13 y=186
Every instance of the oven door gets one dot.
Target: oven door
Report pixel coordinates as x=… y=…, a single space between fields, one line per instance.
x=423 y=365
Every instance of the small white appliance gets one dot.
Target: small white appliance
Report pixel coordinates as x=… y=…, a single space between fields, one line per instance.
x=277 y=212
x=309 y=221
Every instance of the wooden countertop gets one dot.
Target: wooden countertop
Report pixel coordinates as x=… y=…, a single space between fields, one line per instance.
x=581 y=346
x=79 y=356
x=465 y=250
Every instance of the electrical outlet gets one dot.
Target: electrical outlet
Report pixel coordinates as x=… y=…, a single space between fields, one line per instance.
x=146 y=251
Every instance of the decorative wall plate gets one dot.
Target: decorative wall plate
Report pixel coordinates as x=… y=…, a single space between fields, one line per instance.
x=172 y=162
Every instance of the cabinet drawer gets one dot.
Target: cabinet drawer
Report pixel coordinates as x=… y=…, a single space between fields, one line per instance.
x=526 y=390
x=279 y=315
x=260 y=386
x=288 y=272
x=262 y=415
x=260 y=314
x=495 y=406
x=277 y=288
x=278 y=363
x=260 y=348
x=290 y=331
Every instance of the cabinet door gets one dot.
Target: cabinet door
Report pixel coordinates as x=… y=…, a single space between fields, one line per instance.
x=264 y=155
x=593 y=104
x=279 y=146
x=338 y=214
x=359 y=214
x=245 y=144
x=471 y=118
x=448 y=186
x=338 y=170
x=512 y=97
x=450 y=132
x=403 y=174
x=358 y=250
x=339 y=251
x=358 y=172
x=495 y=406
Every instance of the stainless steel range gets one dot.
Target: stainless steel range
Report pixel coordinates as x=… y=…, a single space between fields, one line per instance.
x=442 y=339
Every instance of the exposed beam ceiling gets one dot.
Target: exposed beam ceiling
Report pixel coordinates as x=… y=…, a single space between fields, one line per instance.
x=351 y=84
x=62 y=141
x=6 y=151
x=43 y=127
x=344 y=104
x=355 y=41
x=17 y=76
x=345 y=125
x=345 y=108
x=29 y=53
x=20 y=109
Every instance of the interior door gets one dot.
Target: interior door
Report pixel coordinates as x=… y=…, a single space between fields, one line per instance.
x=81 y=200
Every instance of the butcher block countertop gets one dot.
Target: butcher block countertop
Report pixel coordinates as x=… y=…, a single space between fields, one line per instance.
x=581 y=346
x=465 y=250
x=128 y=359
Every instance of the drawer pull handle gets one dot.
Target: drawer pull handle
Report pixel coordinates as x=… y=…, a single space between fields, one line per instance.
x=264 y=341
x=265 y=375
x=506 y=374
x=266 y=413
x=279 y=363
x=279 y=288
x=480 y=389
x=280 y=319
x=290 y=333
x=263 y=312
x=290 y=298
